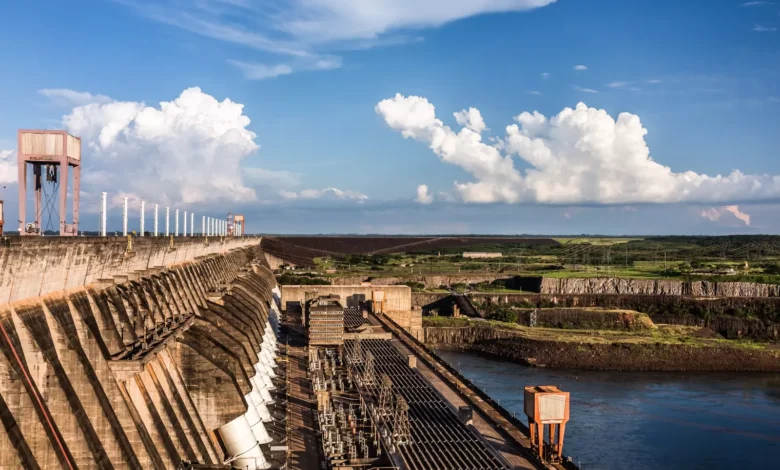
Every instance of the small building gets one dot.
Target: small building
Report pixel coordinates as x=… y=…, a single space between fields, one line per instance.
x=481 y=254
x=325 y=318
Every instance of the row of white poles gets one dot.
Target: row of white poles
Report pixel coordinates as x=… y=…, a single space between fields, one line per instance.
x=210 y=226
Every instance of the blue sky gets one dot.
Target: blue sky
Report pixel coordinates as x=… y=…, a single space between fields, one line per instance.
x=703 y=77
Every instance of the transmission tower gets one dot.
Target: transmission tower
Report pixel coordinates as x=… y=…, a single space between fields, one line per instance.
x=357 y=353
x=401 y=428
x=385 y=395
x=369 y=376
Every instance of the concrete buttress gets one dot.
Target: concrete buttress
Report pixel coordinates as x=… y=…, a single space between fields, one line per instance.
x=138 y=359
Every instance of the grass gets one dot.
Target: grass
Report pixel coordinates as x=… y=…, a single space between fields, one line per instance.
x=664 y=334
x=596 y=241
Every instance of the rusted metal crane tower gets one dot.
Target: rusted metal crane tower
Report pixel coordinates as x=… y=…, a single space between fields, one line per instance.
x=547 y=405
x=55 y=152
x=238 y=223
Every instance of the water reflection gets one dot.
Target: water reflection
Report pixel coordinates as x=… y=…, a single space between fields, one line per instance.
x=649 y=420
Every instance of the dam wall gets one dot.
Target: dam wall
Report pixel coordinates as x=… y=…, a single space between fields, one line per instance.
x=110 y=360
x=35 y=266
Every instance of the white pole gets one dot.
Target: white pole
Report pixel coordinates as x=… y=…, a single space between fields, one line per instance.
x=203 y=226
x=124 y=217
x=155 y=219
x=167 y=221
x=192 y=224
x=103 y=215
x=176 y=229
x=143 y=215
x=185 y=223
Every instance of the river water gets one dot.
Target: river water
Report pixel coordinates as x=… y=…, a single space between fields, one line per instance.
x=649 y=420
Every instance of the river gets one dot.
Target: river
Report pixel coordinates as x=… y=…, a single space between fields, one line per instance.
x=648 y=420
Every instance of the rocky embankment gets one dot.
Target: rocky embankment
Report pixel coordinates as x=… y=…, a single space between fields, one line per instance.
x=631 y=356
x=618 y=355
x=601 y=285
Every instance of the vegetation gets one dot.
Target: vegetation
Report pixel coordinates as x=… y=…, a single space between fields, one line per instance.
x=736 y=258
x=302 y=280
x=664 y=334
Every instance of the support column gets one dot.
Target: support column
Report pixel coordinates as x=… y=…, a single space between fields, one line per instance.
x=156 y=206
x=63 y=181
x=103 y=214
x=192 y=224
x=185 y=223
x=76 y=197
x=124 y=217
x=167 y=221
x=143 y=216
x=176 y=233
x=21 y=167
x=203 y=226
x=38 y=183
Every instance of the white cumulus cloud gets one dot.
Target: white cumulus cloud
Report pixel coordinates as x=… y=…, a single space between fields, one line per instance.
x=579 y=156
x=8 y=168
x=472 y=119
x=423 y=196
x=580 y=68
x=188 y=150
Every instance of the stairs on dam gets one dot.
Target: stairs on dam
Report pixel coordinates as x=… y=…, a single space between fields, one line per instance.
x=163 y=367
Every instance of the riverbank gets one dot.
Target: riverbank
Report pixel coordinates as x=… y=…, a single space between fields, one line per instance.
x=666 y=348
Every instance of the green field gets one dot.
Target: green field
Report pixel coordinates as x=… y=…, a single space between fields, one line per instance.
x=735 y=258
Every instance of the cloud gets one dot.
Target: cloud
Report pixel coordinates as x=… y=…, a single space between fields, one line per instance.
x=302 y=29
x=713 y=214
x=580 y=68
x=579 y=156
x=755 y=4
x=423 y=196
x=471 y=119
x=586 y=90
x=326 y=194
x=271 y=178
x=617 y=84
x=546 y=75
x=67 y=97
x=260 y=71
x=535 y=92
x=8 y=169
x=654 y=81
x=763 y=29
x=256 y=71
x=185 y=151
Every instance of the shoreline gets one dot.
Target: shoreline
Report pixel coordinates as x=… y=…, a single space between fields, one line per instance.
x=620 y=356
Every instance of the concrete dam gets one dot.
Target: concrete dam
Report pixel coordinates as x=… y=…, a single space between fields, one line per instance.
x=143 y=353
x=176 y=353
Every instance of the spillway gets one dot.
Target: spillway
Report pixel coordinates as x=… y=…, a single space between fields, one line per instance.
x=143 y=353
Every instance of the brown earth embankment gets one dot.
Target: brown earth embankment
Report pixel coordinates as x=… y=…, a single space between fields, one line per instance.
x=755 y=317
x=619 y=355
x=631 y=357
